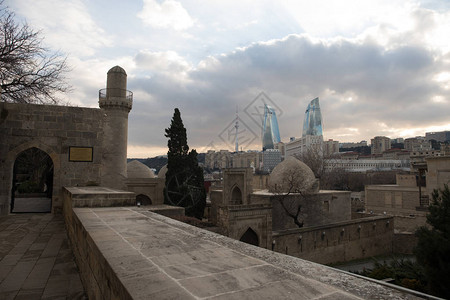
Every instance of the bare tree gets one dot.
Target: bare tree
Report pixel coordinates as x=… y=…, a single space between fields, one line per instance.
x=290 y=185
x=29 y=72
x=313 y=158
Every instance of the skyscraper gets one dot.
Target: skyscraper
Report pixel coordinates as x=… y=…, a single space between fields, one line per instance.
x=312 y=125
x=270 y=133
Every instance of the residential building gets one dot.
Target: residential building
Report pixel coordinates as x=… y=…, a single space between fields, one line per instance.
x=380 y=144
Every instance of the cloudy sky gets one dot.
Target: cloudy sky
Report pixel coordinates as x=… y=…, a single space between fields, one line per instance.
x=378 y=67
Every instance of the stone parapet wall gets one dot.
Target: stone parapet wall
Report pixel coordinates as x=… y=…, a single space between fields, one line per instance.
x=99 y=280
x=339 y=242
x=129 y=253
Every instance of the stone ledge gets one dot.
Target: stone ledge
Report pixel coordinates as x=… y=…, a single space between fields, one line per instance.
x=137 y=254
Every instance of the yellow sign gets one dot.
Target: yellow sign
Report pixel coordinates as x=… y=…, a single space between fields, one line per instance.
x=84 y=154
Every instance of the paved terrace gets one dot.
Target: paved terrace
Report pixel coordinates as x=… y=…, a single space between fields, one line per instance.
x=142 y=255
x=36 y=261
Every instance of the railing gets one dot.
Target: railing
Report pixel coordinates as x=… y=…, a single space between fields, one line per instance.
x=104 y=94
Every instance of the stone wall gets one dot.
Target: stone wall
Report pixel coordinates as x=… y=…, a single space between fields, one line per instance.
x=99 y=279
x=236 y=220
x=319 y=209
x=404 y=243
x=52 y=129
x=438 y=173
x=339 y=242
x=402 y=202
x=150 y=187
x=392 y=197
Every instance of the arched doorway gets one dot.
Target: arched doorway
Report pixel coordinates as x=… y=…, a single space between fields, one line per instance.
x=32 y=185
x=143 y=200
x=236 y=196
x=250 y=237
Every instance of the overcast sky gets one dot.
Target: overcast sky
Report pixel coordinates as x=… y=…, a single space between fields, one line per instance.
x=378 y=67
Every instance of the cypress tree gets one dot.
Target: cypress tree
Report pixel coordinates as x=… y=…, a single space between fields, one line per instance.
x=184 y=178
x=433 y=247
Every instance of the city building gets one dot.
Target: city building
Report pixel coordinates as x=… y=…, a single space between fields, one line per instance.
x=312 y=124
x=282 y=147
x=417 y=144
x=271 y=132
x=380 y=144
x=218 y=159
x=330 y=147
x=271 y=158
x=248 y=159
x=441 y=136
x=364 y=165
x=300 y=146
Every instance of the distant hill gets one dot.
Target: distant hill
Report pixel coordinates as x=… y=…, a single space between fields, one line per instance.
x=158 y=162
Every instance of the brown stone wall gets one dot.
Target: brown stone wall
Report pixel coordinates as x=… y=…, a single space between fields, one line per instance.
x=52 y=129
x=338 y=242
x=99 y=280
x=150 y=187
x=257 y=217
x=319 y=209
x=404 y=243
x=392 y=198
x=438 y=173
x=216 y=197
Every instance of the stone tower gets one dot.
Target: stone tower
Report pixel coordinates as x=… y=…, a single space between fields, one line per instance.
x=116 y=102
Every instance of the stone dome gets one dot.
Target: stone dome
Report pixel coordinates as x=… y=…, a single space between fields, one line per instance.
x=136 y=169
x=162 y=172
x=294 y=175
x=117 y=69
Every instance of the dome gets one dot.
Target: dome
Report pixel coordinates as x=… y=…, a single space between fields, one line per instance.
x=136 y=169
x=117 y=69
x=162 y=172
x=292 y=175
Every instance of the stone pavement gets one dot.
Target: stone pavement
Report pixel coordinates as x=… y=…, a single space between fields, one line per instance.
x=36 y=261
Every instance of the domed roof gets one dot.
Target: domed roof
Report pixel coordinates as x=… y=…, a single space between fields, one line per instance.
x=162 y=172
x=292 y=175
x=117 y=69
x=136 y=169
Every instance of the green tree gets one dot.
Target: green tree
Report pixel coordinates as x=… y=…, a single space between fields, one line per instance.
x=433 y=248
x=184 y=178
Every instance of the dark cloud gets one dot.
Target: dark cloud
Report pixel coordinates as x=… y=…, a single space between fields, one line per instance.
x=390 y=86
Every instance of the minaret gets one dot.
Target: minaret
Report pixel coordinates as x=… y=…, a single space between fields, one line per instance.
x=116 y=102
x=236 y=144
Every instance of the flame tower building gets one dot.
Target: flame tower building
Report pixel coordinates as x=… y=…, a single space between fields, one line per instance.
x=312 y=125
x=270 y=132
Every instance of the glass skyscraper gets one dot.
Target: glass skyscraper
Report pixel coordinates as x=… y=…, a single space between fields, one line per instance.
x=270 y=133
x=312 y=125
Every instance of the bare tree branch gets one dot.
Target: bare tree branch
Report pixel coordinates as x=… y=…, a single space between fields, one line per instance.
x=29 y=73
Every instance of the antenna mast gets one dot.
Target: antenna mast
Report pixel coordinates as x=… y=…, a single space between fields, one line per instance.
x=236 y=145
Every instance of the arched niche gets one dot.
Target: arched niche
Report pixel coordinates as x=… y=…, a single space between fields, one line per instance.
x=143 y=199
x=32 y=182
x=236 y=196
x=250 y=237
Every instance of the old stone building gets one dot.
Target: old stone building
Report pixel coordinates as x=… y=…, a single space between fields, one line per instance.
x=77 y=146
x=292 y=216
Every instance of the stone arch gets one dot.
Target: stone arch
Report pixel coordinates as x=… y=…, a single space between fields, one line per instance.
x=143 y=199
x=32 y=182
x=236 y=195
x=9 y=168
x=250 y=237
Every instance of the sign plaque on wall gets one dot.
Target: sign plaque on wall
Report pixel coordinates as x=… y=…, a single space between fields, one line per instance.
x=81 y=154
